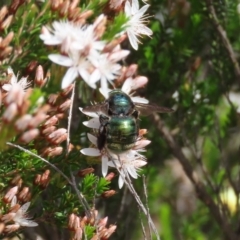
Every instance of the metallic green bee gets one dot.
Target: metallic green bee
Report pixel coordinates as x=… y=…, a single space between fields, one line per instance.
x=118 y=116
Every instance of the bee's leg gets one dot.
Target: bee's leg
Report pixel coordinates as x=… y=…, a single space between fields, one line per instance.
x=101 y=139
x=102 y=133
x=103 y=120
x=135 y=114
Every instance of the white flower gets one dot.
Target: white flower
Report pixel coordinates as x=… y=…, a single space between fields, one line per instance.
x=82 y=53
x=106 y=66
x=77 y=64
x=135 y=27
x=61 y=32
x=14 y=83
x=73 y=37
x=127 y=164
x=79 y=45
x=20 y=217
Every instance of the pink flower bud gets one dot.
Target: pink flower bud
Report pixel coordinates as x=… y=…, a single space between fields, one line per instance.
x=65 y=106
x=3 y=12
x=102 y=223
x=29 y=135
x=138 y=82
x=23 y=194
x=38 y=119
x=16 y=94
x=11 y=228
x=10 y=194
x=58 y=133
x=5 y=42
x=6 y=23
x=132 y=69
x=10 y=112
x=110 y=231
x=48 y=130
x=51 y=121
x=22 y=123
x=39 y=77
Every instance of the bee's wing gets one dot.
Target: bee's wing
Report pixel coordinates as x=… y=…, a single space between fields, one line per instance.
x=147 y=109
x=101 y=108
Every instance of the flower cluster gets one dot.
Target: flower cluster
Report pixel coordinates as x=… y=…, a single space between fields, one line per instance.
x=16 y=216
x=84 y=51
x=76 y=224
x=15 y=105
x=32 y=123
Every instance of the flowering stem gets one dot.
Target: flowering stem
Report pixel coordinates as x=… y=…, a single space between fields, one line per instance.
x=44 y=160
x=70 y=117
x=81 y=197
x=146 y=199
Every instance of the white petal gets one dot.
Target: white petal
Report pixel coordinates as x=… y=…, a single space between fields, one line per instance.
x=90 y=114
x=139 y=163
x=92 y=139
x=140 y=12
x=95 y=76
x=126 y=87
x=127 y=9
x=61 y=60
x=90 y=152
x=145 y=31
x=141 y=144
x=132 y=171
x=139 y=100
x=86 y=77
x=69 y=77
x=105 y=92
x=50 y=39
x=118 y=55
x=133 y=39
x=104 y=84
x=7 y=87
x=113 y=164
x=120 y=182
x=27 y=223
x=135 y=6
x=92 y=123
x=24 y=207
x=104 y=165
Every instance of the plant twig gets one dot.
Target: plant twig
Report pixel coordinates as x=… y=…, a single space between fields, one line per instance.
x=41 y=158
x=146 y=199
x=142 y=225
x=223 y=35
x=81 y=197
x=70 y=117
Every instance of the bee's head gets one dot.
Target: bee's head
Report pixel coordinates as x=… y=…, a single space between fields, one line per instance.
x=119 y=103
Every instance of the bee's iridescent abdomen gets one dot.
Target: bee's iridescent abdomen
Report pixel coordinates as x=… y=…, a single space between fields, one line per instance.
x=122 y=133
